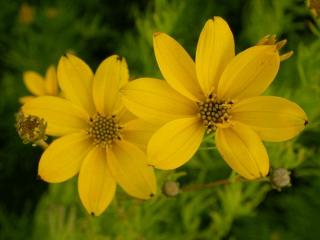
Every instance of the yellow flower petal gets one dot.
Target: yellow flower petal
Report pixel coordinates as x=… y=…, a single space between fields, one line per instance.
x=128 y=164
x=176 y=66
x=62 y=159
x=95 y=183
x=242 y=149
x=274 y=118
x=25 y=99
x=62 y=116
x=250 y=73
x=175 y=143
x=155 y=101
x=125 y=116
x=51 y=81
x=34 y=83
x=75 y=80
x=139 y=132
x=214 y=51
x=111 y=75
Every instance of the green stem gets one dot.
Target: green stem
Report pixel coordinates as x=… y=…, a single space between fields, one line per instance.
x=221 y=182
x=207 y=148
x=41 y=143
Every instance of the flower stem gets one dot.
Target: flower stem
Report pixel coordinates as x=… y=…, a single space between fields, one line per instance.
x=41 y=143
x=206 y=148
x=221 y=182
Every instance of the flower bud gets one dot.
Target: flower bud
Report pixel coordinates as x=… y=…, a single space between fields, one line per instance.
x=171 y=188
x=280 y=178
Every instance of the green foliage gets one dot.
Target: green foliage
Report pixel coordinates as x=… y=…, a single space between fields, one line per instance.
x=96 y=29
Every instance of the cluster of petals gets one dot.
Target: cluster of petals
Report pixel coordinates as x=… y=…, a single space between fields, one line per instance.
x=39 y=85
x=111 y=131
x=239 y=79
x=99 y=167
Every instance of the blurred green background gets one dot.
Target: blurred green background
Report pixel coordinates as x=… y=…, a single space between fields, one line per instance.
x=34 y=34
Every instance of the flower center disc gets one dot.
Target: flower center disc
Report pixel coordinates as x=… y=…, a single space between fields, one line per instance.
x=104 y=130
x=213 y=111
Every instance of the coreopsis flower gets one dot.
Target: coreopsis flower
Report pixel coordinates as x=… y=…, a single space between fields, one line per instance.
x=219 y=93
x=40 y=86
x=97 y=137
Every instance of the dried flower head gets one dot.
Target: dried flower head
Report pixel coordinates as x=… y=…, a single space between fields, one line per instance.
x=30 y=128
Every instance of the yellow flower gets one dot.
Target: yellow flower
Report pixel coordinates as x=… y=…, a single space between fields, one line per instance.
x=39 y=86
x=98 y=137
x=218 y=93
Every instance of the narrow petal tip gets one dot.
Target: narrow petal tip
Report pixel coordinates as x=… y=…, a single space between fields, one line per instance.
x=286 y=56
x=281 y=44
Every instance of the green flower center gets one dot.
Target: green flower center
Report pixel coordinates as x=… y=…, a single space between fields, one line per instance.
x=104 y=130
x=213 y=111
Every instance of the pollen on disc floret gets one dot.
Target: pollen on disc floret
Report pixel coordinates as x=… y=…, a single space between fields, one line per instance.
x=213 y=111
x=104 y=130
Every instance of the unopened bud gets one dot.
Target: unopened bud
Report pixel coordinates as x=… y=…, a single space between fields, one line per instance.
x=280 y=178
x=30 y=128
x=171 y=188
